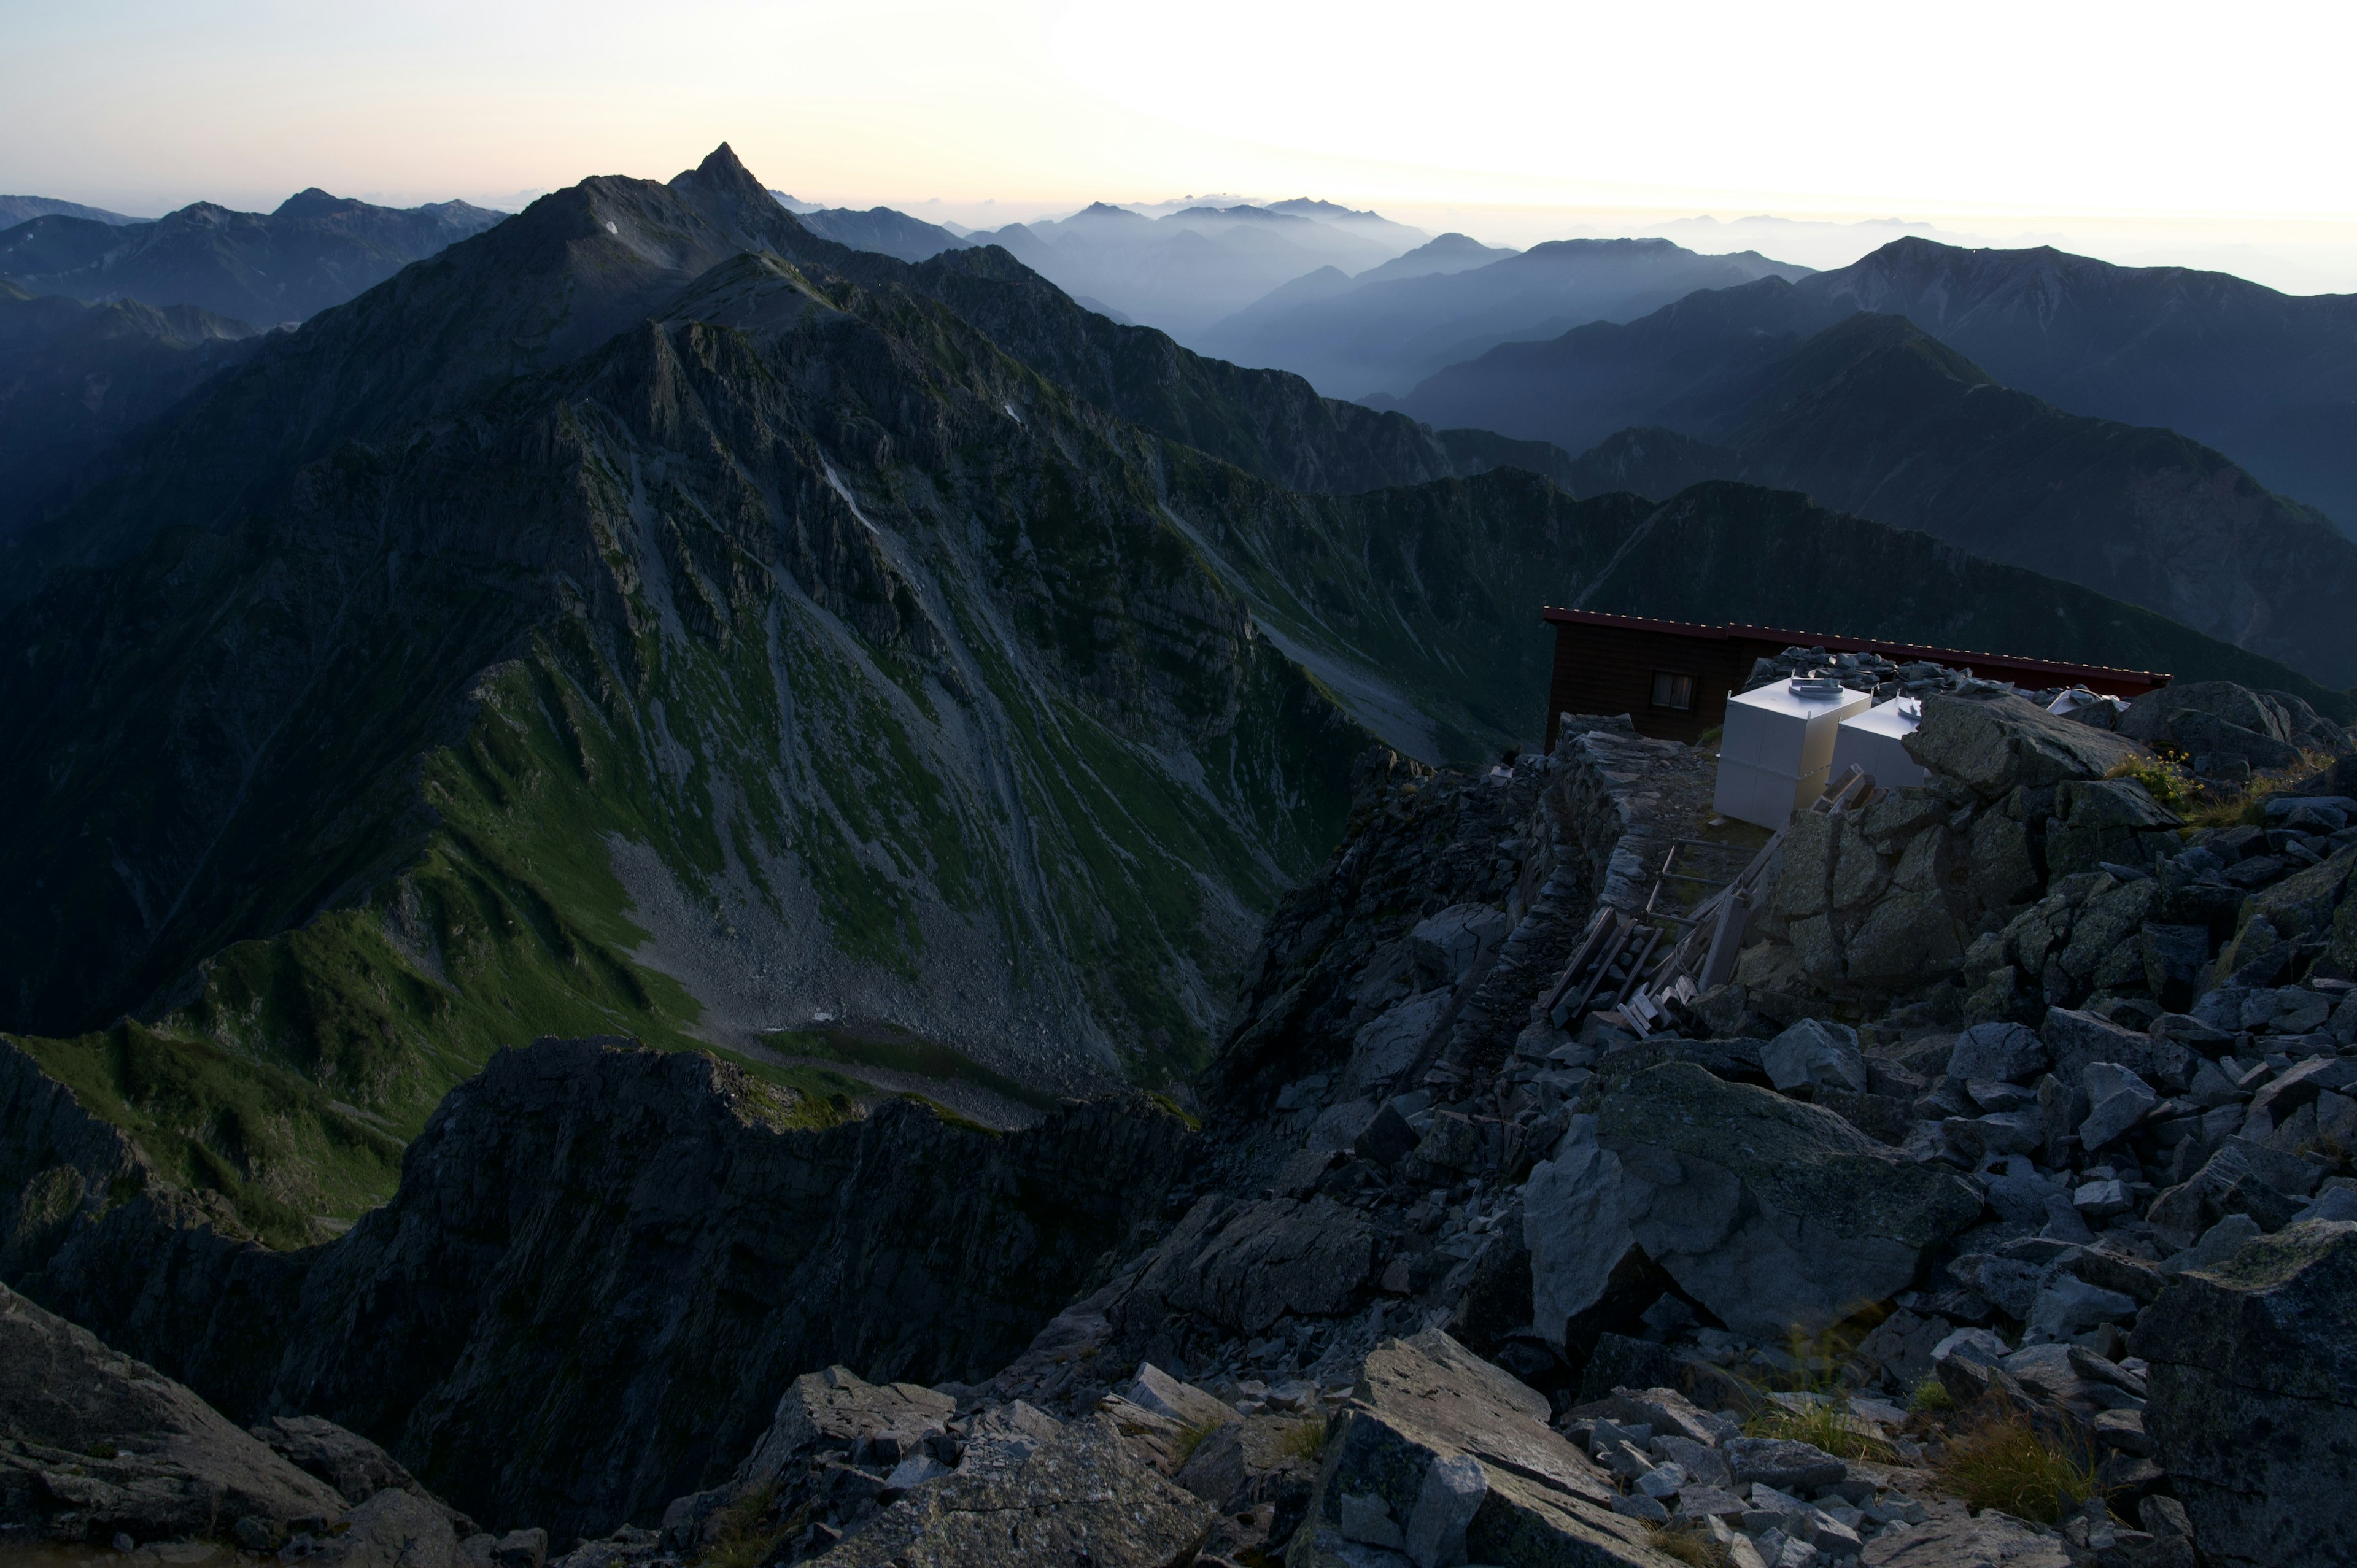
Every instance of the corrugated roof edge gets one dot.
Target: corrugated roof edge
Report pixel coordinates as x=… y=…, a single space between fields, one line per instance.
x=1833 y=643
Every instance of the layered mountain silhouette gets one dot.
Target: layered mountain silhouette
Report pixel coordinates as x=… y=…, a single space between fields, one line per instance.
x=1385 y=334
x=1875 y=415
x=15 y=209
x=2269 y=378
x=882 y=230
x=315 y=251
x=1188 y=269
x=648 y=616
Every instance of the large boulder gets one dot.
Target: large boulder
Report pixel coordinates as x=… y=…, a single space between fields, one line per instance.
x=1244 y=1265
x=2215 y=719
x=1080 y=1497
x=1771 y=1213
x=1995 y=745
x=93 y=1443
x=837 y=1412
x=357 y=1469
x=1445 y=1459
x=2253 y=1409
x=395 y=1529
x=2107 y=819
x=1572 y=1225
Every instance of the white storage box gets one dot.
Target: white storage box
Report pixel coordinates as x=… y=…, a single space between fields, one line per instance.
x=1870 y=740
x=1776 y=750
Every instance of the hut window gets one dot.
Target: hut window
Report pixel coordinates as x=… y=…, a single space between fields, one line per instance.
x=1672 y=693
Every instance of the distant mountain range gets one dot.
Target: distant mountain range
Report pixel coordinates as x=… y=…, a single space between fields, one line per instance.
x=314 y=252
x=15 y=209
x=882 y=230
x=2268 y=379
x=1384 y=335
x=1874 y=415
x=1186 y=271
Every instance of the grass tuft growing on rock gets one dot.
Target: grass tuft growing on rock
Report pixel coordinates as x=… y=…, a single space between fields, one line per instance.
x=2002 y=1462
x=1825 y=1424
x=1304 y=1438
x=746 y=1532
x=1190 y=1437
x=1930 y=1396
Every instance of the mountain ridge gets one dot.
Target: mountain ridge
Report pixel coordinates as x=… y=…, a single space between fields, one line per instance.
x=313 y=251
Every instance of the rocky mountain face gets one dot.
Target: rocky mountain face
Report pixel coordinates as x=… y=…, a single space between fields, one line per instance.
x=618 y=1242
x=315 y=251
x=1873 y=415
x=75 y=379
x=758 y=637
x=1385 y=334
x=2023 y=1107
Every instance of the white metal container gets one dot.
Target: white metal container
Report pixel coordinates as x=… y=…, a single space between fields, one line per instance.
x=1870 y=740
x=1776 y=749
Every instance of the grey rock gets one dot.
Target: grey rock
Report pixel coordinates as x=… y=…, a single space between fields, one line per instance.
x=2067 y=1306
x=2103 y=820
x=1244 y=1266
x=102 y=1445
x=838 y=1413
x=2008 y=1052
x=1704 y=1464
x=1796 y=1468
x=2118 y=1100
x=1667 y=1414
x=1450 y=944
x=1426 y=1401
x=1156 y=1389
x=1453 y=1490
x=1081 y=1496
x=1367 y=1519
x=1952 y=1538
x=1994 y=745
x=1769 y=1212
x=1388 y=1138
x=1388 y=1045
x=1815 y=1052
x=356 y=1468
x=2253 y=1397
x=1572 y=1224
x=1973 y=1345
x=2077 y=1039
x=397 y=1529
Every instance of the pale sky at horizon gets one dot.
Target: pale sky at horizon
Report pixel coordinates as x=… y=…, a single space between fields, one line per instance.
x=2131 y=128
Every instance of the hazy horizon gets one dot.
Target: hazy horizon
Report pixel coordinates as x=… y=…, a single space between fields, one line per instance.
x=2142 y=137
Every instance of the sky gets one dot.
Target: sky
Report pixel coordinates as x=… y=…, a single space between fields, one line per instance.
x=2154 y=131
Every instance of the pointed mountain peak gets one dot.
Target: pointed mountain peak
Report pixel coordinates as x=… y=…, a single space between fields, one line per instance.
x=722 y=173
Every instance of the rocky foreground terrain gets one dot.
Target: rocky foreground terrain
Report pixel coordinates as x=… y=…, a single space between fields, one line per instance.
x=1998 y=1211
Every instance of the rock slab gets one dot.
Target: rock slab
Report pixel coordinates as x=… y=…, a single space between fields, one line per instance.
x=2253 y=1396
